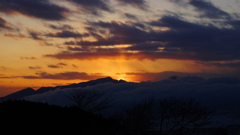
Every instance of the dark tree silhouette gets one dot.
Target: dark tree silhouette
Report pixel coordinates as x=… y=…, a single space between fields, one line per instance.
x=167 y=116
x=29 y=117
x=181 y=116
x=89 y=100
x=139 y=118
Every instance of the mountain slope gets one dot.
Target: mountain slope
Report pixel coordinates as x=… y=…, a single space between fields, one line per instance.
x=93 y=82
x=29 y=91
x=19 y=95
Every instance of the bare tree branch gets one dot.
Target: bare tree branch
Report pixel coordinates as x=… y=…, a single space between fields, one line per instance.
x=167 y=116
x=89 y=100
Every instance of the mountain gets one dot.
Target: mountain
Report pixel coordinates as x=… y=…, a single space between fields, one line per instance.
x=19 y=95
x=29 y=91
x=92 y=83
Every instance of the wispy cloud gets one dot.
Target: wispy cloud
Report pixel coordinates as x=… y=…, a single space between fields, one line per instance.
x=28 y=58
x=141 y=4
x=3 y=24
x=35 y=67
x=94 y=7
x=58 y=65
x=65 y=76
x=207 y=9
x=67 y=34
x=61 y=27
x=42 y=9
x=130 y=16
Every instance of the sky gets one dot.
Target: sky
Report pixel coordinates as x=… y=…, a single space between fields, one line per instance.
x=59 y=42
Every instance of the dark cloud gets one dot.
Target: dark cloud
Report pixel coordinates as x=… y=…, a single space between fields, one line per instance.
x=66 y=34
x=43 y=37
x=233 y=64
x=35 y=67
x=199 y=42
x=156 y=76
x=3 y=24
x=15 y=35
x=28 y=58
x=3 y=68
x=93 y=6
x=35 y=35
x=61 y=27
x=235 y=24
x=78 y=48
x=174 y=23
x=179 y=2
x=43 y=9
x=207 y=9
x=135 y=3
x=181 y=40
x=120 y=34
x=54 y=66
x=116 y=54
x=65 y=76
x=145 y=47
x=29 y=77
x=6 y=77
x=107 y=54
x=2 y=76
x=62 y=64
x=59 y=65
x=75 y=66
x=130 y=16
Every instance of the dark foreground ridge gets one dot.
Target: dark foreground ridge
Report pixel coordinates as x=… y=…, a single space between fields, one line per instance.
x=26 y=117
x=40 y=118
x=29 y=91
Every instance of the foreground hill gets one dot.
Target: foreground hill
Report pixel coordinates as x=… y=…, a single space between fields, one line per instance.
x=39 y=118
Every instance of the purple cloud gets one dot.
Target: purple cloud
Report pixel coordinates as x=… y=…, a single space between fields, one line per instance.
x=42 y=9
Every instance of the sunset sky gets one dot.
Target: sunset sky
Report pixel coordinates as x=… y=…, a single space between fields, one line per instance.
x=58 y=42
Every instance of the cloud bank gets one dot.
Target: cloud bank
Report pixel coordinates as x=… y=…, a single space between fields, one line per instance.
x=182 y=40
x=64 y=75
x=167 y=36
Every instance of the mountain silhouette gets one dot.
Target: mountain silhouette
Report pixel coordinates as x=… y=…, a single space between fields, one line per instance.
x=92 y=83
x=30 y=91
x=19 y=94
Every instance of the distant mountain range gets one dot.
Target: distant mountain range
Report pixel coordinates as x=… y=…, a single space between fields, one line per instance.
x=30 y=91
x=221 y=94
